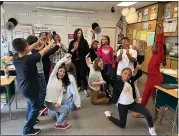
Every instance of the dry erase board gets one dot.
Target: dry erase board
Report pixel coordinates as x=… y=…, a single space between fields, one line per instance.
x=22 y=31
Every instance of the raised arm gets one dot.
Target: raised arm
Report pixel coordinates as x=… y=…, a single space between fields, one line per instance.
x=35 y=45
x=52 y=50
x=55 y=70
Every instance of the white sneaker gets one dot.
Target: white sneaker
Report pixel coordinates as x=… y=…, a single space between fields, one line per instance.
x=152 y=131
x=107 y=113
x=116 y=105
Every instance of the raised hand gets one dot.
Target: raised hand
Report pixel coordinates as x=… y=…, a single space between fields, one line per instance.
x=127 y=51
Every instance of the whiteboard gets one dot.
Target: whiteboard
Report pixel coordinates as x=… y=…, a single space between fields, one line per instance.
x=111 y=32
x=60 y=29
x=22 y=31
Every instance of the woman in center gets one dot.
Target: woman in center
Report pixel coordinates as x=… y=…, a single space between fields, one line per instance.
x=79 y=49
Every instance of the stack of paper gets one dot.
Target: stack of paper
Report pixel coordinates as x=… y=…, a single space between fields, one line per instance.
x=168 y=71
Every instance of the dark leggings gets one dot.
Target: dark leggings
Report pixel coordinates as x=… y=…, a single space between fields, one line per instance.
x=123 y=111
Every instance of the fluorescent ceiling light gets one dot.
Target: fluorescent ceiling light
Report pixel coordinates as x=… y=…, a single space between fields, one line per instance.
x=67 y=10
x=126 y=3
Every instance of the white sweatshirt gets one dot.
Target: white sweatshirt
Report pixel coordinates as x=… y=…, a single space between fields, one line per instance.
x=55 y=87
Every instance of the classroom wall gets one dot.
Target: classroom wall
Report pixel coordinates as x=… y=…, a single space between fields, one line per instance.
x=104 y=18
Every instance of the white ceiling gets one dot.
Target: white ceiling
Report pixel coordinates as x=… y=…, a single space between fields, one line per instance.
x=96 y=6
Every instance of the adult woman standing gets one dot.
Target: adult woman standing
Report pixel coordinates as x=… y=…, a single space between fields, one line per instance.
x=79 y=49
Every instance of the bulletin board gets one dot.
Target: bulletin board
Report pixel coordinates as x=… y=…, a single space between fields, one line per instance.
x=22 y=31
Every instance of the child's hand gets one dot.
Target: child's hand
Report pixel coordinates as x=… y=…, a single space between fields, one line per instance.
x=99 y=45
x=127 y=51
x=68 y=55
x=139 y=67
x=121 y=51
x=57 y=105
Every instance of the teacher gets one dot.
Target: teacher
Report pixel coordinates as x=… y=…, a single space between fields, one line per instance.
x=79 y=49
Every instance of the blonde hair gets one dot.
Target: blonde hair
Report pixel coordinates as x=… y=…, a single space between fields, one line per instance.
x=143 y=46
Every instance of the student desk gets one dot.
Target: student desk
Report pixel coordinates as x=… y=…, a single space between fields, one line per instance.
x=9 y=85
x=169 y=76
x=169 y=99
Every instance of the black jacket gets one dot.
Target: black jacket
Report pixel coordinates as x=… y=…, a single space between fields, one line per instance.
x=92 y=54
x=78 y=56
x=118 y=86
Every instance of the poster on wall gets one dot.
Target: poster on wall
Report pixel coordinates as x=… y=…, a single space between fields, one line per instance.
x=139 y=16
x=70 y=37
x=168 y=11
x=153 y=12
x=145 y=17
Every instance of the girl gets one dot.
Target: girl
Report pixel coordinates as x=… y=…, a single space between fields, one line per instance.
x=58 y=82
x=49 y=37
x=72 y=100
x=140 y=48
x=93 y=49
x=61 y=51
x=123 y=95
x=106 y=53
x=79 y=49
x=154 y=75
x=46 y=57
x=95 y=81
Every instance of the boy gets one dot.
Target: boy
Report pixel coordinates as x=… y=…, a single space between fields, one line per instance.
x=31 y=40
x=126 y=56
x=27 y=79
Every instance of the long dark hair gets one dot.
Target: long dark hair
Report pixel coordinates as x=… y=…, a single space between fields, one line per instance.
x=76 y=32
x=65 y=79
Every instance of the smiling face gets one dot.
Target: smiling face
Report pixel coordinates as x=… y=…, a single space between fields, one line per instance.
x=104 y=40
x=126 y=74
x=61 y=73
x=125 y=43
x=43 y=36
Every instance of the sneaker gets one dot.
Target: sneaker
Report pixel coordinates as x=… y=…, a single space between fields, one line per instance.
x=36 y=122
x=44 y=112
x=152 y=131
x=66 y=126
x=116 y=105
x=107 y=114
x=86 y=93
x=33 y=132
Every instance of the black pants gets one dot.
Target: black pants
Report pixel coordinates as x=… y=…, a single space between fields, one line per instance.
x=123 y=111
x=81 y=73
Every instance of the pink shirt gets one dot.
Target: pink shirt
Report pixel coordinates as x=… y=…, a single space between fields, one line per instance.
x=106 y=53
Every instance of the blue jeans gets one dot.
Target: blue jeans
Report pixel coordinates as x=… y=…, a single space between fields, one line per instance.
x=33 y=107
x=69 y=105
x=43 y=86
x=60 y=113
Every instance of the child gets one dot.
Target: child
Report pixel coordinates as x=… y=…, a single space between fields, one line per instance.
x=72 y=96
x=58 y=82
x=126 y=57
x=61 y=51
x=140 y=47
x=105 y=52
x=27 y=79
x=31 y=40
x=95 y=81
x=154 y=75
x=93 y=50
x=123 y=95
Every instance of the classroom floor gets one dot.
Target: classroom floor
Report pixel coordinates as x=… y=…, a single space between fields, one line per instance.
x=89 y=120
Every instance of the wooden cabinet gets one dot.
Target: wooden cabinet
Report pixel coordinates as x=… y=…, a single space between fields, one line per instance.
x=174 y=64
x=129 y=32
x=168 y=64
